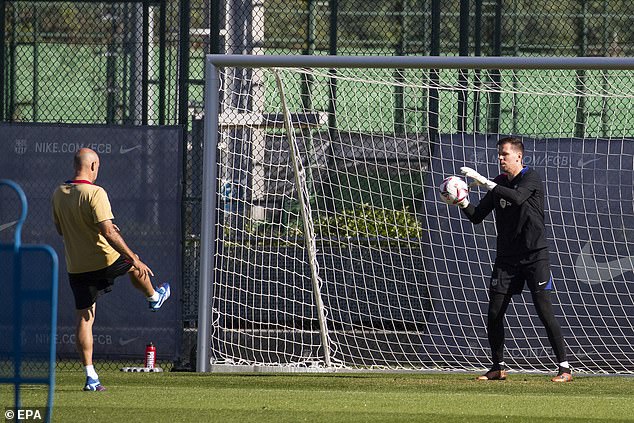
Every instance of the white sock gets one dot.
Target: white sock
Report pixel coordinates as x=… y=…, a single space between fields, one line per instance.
x=154 y=297
x=90 y=372
x=564 y=364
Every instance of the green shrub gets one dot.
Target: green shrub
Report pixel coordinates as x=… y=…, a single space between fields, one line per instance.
x=367 y=221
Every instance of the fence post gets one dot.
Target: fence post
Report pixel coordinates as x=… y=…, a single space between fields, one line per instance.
x=183 y=75
x=162 y=59
x=462 y=73
x=493 y=125
x=582 y=41
x=332 y=103
x=2 y=39
x=434 y=76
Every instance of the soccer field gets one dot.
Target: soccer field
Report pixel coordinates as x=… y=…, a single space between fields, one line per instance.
x=189 y=397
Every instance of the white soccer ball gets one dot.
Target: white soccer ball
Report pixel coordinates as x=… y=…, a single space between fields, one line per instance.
x=453 y=189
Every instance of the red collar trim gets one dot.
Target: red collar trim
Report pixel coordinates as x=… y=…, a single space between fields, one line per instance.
x=79 y=181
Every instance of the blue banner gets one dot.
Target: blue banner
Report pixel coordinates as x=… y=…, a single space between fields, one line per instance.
x=141 y=172
x=589 y=205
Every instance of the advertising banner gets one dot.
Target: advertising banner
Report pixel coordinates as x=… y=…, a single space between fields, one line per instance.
x=590 y=227
x=141 y=172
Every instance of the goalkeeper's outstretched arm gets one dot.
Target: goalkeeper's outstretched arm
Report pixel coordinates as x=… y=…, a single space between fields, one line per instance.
x=476 y=214
x=516 y=196
x=525 y=188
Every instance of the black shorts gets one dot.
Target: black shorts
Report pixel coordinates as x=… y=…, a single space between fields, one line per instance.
x=88 y=286
x=510 y=273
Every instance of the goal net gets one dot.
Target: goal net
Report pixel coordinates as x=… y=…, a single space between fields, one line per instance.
x=325 y=244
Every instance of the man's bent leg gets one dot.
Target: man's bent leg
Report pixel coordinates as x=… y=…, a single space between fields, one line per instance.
x=156 y=297
x=142 y=283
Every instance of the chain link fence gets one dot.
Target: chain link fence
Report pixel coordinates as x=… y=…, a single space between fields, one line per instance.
x=89 y=62
x=141 y=62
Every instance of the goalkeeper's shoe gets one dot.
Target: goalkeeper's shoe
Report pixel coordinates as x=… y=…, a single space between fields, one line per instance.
x=563 y=375
x=164 y=293
x=493 y=374
x=93 y=385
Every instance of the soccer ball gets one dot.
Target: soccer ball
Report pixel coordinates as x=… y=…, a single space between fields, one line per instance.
x=453 y=189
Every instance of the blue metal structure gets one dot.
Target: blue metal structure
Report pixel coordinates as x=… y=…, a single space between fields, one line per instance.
x=28 y=310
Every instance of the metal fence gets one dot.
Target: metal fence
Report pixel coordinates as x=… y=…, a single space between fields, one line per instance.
x=141 y=62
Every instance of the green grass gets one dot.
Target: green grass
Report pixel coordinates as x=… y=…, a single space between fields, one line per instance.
x=188 y=397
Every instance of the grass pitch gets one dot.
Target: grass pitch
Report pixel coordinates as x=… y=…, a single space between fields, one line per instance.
x=189 y=397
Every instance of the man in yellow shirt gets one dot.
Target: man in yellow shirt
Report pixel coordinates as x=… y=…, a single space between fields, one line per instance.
x=95 y=253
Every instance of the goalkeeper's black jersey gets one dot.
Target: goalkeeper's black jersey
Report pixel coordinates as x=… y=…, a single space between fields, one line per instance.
x=519 y=213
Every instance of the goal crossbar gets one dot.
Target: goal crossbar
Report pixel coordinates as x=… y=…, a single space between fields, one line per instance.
x=423 y=62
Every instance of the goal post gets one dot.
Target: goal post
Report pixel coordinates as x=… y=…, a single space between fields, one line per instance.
x=324 y=246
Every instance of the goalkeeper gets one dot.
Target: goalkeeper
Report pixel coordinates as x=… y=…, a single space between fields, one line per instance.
x=517 y=196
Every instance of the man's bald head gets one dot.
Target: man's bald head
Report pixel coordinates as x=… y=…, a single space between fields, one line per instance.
x=84 y=158
x=86 y=164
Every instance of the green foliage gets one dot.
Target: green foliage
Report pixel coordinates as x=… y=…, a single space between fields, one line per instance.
x=532 y=26
x=374 y=224
x=529 y=25
x=367 y=221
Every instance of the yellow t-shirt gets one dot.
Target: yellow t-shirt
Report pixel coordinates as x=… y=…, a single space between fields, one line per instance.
x=77 y=209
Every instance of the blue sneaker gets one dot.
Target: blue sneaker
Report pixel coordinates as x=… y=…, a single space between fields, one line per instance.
x=164 y=293
x=93 y=385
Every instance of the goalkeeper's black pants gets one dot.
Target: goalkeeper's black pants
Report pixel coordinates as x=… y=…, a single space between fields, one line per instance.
x=498 y=303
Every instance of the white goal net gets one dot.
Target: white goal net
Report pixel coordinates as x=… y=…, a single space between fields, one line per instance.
x=325 y=244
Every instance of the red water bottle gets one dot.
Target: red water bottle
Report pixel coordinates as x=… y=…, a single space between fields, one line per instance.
x=150 y=356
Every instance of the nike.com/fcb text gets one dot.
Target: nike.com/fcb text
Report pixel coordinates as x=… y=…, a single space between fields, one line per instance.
x=71 y=147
